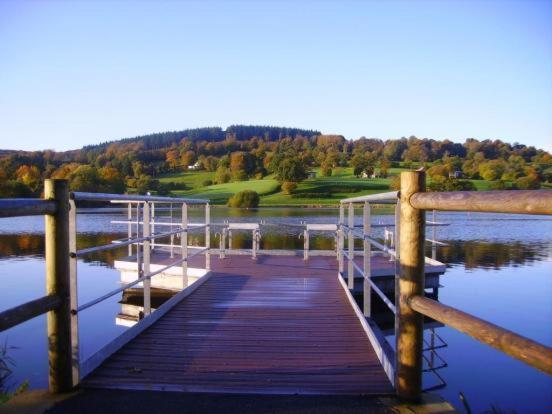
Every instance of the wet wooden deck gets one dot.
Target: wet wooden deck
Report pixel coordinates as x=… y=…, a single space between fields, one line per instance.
x=277 y=325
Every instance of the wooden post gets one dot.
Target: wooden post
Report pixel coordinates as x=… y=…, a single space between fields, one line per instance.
x=207 y=237
x=351 y=245
x=409 y=324
x=184 y=245
x=340 y=241
x=73 y=293
x=146 y=230
x=229 y=239
x=367 y=260
x=60 y=377
x=306 y=244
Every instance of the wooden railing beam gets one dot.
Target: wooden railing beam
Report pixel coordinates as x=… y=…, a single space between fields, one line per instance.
x=16 y=207
x=513 y=202
x=22 y=313
x=517 y=346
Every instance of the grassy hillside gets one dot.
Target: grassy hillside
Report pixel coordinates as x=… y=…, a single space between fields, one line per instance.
x=311 y=192
x=316 y=191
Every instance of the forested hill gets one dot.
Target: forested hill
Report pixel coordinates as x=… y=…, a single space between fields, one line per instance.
x=245 y=152
x=162 y=140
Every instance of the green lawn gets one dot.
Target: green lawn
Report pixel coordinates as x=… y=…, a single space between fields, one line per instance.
x=311 y=192
x=220 y=193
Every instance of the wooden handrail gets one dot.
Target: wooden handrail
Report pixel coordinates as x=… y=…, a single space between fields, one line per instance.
x=22 y=313
x=517 y=346
x=514 y=202
x=15 y=207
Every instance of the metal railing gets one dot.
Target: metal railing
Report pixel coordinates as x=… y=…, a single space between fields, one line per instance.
x=59 y=208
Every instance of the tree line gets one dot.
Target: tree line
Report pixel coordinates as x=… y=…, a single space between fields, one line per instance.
x=242 y=152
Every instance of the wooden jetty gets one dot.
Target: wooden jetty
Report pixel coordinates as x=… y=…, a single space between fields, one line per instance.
x=266 y=324
x=275 y=325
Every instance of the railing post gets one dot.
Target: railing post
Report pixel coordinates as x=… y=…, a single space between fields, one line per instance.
x=207 y=237
x=306 y=244
x=409 y=324
x=367 y=260
x=152 y=223
x=60 y=377
x=146 y=230
x=129 y=227
x=351 y=245
x=254 y=244
x=433 y=238
x=340 y=241
x=73 y=292
x=184 y=245
x=222 y=253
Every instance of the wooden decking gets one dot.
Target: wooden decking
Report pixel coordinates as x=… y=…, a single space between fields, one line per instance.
x=277 y=325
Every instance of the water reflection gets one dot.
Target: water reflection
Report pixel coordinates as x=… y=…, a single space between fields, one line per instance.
x=472 y=254
x=491 y=247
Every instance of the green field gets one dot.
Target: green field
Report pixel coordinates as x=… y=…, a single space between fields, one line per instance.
x=316 y=191
x=311 y=192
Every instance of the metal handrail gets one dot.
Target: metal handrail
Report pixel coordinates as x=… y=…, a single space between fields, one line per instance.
x=126 y=242
x=126 y=198
x=391 y=196
x=380 y=293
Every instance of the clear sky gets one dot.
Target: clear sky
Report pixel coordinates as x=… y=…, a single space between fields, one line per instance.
x=76 y=73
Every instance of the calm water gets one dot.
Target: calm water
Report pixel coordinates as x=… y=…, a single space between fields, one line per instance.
x=500 y=269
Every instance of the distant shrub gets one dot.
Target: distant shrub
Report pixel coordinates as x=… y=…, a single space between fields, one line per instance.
x=530 y=182
x=440 y=183
x=206 y=183
x=288 y=187
x=438 y=170
x=164 y=189
x=13 y=188
x=222 y=175
x=497 y=185
x=239 y=175
x=326 y=169
x=244 y=199
x=395 y=183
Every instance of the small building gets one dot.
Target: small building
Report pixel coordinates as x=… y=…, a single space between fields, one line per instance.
x=195 y=166
x=456 y=174
x=311 y=174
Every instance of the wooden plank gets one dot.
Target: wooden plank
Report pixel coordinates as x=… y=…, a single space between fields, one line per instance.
x=275 y=326
x=95 y=360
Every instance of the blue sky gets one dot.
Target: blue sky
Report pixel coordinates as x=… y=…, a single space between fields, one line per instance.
x=77 y=73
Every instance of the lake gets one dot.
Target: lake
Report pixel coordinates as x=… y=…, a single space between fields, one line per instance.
x=499 y=268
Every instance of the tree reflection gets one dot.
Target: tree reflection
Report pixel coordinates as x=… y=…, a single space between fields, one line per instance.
x=473 y=253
